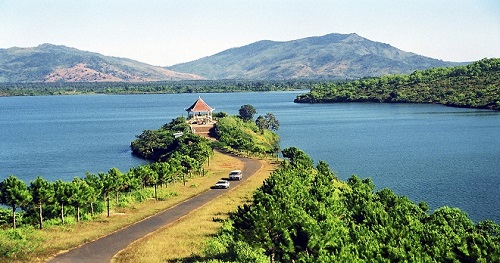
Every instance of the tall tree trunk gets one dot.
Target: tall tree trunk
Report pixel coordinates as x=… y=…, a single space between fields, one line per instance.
x=156 y=196
x=107 y=201
x=92 y=209
x=14 y=216
x=78 y=214
x=40 y=214
x=62 y=213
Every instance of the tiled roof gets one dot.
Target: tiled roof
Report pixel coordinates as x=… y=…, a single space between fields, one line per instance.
x=200 y=106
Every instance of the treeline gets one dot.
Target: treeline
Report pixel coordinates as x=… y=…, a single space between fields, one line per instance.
x=40 y=201
x=476 y=85
x=180 y=156
x=303 y=213
x=198 y=86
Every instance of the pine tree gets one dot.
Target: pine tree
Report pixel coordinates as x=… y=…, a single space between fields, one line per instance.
x=14 y=193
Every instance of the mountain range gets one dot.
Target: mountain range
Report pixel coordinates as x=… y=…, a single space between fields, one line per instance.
x=51 y=63
x=332 y=56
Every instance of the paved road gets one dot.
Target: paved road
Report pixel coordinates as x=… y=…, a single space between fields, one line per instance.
x=103 y=249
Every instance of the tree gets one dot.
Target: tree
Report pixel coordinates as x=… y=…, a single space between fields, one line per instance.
x=165 y=172
x=81 y=195
x=42 y=192
x=297 y=157
x=247 y=112
x=261 y=123
x=14 y=193
x=220 y=115
x=152 y=145
x=95 y=189
x=118 y=181
x=267 y=122
x=107 y=187
x=271 y=121
x=62 y=194
x=200 y=150
x=151 y=178
x=130 y=182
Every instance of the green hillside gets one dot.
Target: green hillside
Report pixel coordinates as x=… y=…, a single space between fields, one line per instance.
x=476 y=85
x=332 y=56
x=303 y=213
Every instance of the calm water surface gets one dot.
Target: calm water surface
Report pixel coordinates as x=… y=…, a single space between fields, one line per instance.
x=444 y=156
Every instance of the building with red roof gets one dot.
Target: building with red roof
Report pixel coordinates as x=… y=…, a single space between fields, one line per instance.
x=200 y=112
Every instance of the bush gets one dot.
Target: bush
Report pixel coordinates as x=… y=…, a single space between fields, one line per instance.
x=19 y=242
x=5 y=217
x=233 y=132
x=141 y=195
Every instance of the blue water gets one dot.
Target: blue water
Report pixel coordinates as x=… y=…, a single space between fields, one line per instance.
x=441 y=155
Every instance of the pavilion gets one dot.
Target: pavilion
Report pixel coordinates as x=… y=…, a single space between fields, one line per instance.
x=200 y=112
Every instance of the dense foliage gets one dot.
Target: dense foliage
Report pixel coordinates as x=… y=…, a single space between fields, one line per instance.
x=198 y=86
x=304 y=213
x=476 y=85
x=159 y=144
x=236 y=134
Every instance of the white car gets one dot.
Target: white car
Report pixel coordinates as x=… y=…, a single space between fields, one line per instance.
x=224 y=184
x=235 y=175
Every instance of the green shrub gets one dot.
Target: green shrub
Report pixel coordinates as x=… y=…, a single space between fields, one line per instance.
x=234 y=133
x=19 y=242
x=143 y=194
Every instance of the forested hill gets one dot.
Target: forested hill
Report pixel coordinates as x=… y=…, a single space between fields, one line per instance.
x=332 y=56
x=476 y=85
x=303 y=213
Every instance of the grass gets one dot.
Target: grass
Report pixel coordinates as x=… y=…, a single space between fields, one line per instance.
x=55 y=238
x=186 y=237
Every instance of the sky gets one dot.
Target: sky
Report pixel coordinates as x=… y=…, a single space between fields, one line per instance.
x=168 y=32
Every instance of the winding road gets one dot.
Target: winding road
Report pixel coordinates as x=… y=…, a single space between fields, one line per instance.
x=103 y=249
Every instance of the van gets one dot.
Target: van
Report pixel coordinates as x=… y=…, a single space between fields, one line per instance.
x=235 y=175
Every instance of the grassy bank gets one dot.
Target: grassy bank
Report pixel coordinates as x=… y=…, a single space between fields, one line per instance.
x=47 y=242
x=184 y=238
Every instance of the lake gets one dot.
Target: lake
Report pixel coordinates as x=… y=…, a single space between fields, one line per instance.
x=442 y=155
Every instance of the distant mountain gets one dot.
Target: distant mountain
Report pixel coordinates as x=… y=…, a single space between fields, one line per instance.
x=333 y=56
x=51 y=63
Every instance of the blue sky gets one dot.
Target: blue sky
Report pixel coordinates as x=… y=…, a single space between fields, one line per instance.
x=168 y=32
